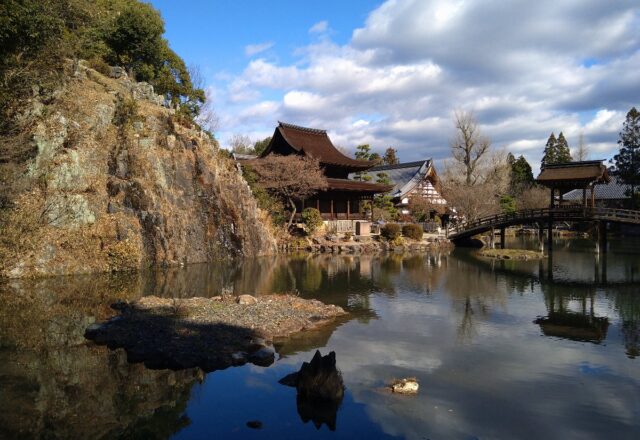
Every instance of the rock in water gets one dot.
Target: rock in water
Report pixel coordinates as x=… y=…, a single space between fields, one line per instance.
x=320 y=390
x=405 y=386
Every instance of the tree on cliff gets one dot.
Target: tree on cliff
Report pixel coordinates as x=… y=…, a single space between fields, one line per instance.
x=290 y=178
x=627 y=162
x=36 y=36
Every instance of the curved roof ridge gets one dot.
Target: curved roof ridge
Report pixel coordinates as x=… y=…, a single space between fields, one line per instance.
x=301 y=128
x=400 y=165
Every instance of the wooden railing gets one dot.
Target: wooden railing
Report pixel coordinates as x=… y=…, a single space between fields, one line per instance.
x=559 y=213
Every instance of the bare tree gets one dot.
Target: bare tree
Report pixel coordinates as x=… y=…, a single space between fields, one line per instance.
x=533 y=198
x=481 y=197
x=290 y=178
x=207 y=118
x=468 y=145
x=582 y=152
x=241 y=144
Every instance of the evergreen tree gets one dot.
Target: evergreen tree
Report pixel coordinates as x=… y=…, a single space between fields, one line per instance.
x=363 y=152
x=521 y=175
x=390 y=156
x=627 y=161
x=549 y=156
x=563 y=152
x=556 y=151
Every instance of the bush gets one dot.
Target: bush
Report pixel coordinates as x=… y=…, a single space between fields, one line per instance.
x=312 y=219
x=391 y=231
x=100 y=66
x=412 y=231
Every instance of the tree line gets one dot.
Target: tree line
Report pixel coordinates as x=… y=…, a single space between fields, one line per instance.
x=479 y=181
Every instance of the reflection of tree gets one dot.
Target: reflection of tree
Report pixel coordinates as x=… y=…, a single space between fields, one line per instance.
x=56 y=385
x=475 y=291
x=628 y=306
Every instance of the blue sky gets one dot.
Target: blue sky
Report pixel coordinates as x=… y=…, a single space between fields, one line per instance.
x=391 y=73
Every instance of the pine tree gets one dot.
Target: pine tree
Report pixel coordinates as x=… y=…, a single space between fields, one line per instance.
x=563 y=154
x=627 y=161
x=549 y=151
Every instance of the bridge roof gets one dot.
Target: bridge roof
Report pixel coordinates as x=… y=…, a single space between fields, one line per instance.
x=574 y=174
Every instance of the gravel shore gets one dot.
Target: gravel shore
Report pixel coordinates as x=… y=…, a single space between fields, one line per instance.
x=210 y=333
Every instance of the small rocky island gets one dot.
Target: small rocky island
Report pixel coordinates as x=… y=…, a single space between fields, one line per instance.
x=210 y=333
x=511 y=254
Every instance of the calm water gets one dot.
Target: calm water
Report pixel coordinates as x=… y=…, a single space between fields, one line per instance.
x=502 y=350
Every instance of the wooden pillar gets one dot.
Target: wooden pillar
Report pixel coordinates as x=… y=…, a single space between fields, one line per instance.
x=602 y=237
x=502 y=237
x=348 y=208
x=593 y=196
x=560 y=200
x=492 y=239
x=552 y=201
x=318 y=204
x=540 y=238
x=332 y=217
x=584 y=197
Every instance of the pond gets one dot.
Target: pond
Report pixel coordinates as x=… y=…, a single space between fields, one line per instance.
x=501 y=349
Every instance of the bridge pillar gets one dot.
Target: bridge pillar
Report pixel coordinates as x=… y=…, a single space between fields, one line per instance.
x=502 y=237
x=541 y=238
x=602 y=237
x=492 y=239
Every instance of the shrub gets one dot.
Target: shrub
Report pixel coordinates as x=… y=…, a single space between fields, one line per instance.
x=100 y=66
x=412 y=231
x=312 y=219
x=391 y=231
x=126 y=112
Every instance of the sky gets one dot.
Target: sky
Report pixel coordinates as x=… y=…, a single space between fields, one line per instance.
x=392 y=73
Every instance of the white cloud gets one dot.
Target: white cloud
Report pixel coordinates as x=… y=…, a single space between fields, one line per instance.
x=525 y=68
x=254 y=49
x=319 y=28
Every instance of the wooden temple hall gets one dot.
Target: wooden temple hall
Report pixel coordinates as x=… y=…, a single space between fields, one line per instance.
x=565 y=177
x=342 y=200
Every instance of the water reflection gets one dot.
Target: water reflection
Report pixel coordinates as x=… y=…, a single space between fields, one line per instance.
x=502 y=349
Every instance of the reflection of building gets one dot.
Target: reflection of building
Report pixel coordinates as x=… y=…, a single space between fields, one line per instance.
x=343 y=197
x=412 y=179
x=580 y=325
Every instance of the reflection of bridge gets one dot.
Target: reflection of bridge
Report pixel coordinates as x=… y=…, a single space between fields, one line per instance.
x=547 y=216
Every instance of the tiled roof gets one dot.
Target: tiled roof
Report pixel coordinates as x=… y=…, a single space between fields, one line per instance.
x=612 y=191
x=355 y=185
x=404 y=175
x=587 y=171
x=316 y=143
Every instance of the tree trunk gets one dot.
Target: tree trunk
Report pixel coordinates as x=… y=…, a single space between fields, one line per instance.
x=293 y=213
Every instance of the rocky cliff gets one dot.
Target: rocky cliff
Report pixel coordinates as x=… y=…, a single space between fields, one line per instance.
x=115 y=181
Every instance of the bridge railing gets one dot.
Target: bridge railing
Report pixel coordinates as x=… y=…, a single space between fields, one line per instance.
x=559 y=213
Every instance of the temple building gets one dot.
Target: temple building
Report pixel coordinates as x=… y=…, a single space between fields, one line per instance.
x=571 y=176
x=342 y=200
x=412 y=179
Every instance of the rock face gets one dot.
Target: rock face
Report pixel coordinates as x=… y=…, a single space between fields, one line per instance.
x=112 y=185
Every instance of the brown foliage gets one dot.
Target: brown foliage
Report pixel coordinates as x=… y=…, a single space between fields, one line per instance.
x=533 y=198
x=290 y=177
